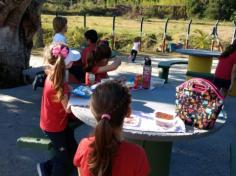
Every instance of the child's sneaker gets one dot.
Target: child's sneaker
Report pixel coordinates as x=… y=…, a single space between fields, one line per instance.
x=38 y=81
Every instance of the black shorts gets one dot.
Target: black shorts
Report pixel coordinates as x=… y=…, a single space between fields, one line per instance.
x=222 y=83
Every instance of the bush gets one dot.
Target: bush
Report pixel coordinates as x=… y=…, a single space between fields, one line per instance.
x=200 y=40
x=221 y=9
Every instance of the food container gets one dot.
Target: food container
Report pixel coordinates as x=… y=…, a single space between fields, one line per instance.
x=165 y=120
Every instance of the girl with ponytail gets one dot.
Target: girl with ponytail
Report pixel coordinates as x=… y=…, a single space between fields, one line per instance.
x=54 y=111
x=106 y=153
x=225 y=73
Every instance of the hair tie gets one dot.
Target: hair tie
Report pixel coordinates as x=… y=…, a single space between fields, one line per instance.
x=106 y=116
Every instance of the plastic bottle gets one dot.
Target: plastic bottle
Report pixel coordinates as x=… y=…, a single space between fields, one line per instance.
x=147 y=72
x=89 y=79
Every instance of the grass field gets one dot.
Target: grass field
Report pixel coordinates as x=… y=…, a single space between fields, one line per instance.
x=131 y=27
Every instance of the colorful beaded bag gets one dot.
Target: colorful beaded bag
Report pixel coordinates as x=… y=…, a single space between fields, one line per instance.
x=198 y=103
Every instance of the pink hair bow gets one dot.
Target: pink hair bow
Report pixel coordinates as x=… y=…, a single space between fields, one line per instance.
x=58 y=51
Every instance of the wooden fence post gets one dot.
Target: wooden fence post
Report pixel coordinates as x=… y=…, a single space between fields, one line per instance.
x=113 y=32
x=141 y=32
x=186 y=46
x=164 y=36
x=234 y=34
x=84 y=21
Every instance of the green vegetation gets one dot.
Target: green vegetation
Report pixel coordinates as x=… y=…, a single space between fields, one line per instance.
x=176 y=9
x=127 y=29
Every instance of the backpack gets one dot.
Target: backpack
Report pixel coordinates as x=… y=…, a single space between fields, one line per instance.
x=198 y=103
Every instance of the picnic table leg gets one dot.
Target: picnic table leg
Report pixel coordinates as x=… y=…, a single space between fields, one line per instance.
x=233 y=91
x=199 y=64
x=163 y=73
x=159 y=156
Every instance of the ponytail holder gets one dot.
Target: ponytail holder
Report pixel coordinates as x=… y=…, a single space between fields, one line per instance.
x=106 y=116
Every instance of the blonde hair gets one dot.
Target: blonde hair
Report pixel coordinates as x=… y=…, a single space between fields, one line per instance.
x=56 y=70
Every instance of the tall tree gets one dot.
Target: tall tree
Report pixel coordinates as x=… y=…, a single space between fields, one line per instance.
x=19 y=21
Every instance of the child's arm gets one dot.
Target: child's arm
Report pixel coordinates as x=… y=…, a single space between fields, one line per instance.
x=115 y=64
x=79 y=174
x=233 y=74
x=64 y=102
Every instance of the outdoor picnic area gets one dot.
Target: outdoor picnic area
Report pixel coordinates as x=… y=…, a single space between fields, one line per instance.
x=58 y=59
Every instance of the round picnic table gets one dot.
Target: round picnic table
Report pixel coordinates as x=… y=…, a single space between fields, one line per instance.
x=158 y=145
x=199 y=60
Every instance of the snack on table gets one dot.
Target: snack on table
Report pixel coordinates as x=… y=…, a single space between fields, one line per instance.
x=163 y=115
x=165 y=120
x=131 y=121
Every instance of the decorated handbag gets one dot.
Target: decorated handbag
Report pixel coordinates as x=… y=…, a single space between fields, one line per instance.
x=198 y=103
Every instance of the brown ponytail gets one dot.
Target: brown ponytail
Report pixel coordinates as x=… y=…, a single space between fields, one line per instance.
x=58 y=77
x=113 y=99
x=56 y=70
x=94 y=56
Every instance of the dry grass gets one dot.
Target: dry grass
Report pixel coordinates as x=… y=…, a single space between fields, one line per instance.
x=132 y=27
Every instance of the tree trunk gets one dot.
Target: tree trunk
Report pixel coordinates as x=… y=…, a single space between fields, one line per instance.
x=39 y=36
x=19 y=21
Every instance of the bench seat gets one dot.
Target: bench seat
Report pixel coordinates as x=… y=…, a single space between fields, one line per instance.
x=37 y=140
x=165 y=65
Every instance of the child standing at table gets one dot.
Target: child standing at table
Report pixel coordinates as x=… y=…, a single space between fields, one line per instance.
x=225 y=73
x=135 y=49
x=106 y=153
x=97 y=62
x=54 y=111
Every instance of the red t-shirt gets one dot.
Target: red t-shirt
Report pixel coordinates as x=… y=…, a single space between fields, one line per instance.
x=99 y=76
x=85 y=52
x=53 y=115
x=83 y=60
x=130 y=159
x=225 y=65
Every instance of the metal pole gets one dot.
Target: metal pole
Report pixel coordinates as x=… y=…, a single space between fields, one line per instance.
x=113 y=32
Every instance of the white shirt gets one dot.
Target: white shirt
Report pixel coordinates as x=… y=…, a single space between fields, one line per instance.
x=58 y=37
x=136 y=46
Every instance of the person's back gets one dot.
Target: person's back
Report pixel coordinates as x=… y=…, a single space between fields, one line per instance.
x=91 y=37
x=60 y=28
x=59 y=38
x=106 y=153
x=225 y=73
x=130 y=159
x=225 y=65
